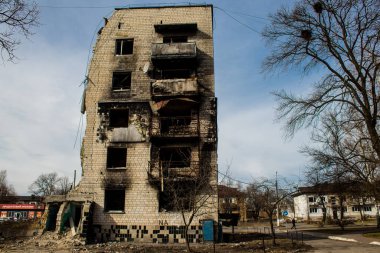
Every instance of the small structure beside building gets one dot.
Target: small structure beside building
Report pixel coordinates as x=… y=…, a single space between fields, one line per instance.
x=21 y=207
x=232 y=201
x=310 y=202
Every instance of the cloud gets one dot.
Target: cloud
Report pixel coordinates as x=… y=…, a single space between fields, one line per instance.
x=40 y=113
x=254 y=144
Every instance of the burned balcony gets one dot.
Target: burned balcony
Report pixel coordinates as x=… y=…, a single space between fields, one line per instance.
x=173 y=170
x=174 y=87
x=177 y=52
x=177 y=126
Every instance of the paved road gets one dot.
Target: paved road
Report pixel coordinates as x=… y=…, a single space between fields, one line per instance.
x=324 y=242
x=326 y=246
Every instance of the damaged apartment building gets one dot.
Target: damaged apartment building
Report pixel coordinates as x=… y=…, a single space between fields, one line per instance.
x=149 y=152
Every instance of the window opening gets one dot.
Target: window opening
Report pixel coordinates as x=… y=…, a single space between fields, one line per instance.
x=119 y=118
x=367 y=208
x=311 y=199
x=124 y=46
x=177 y=157
x=355 y=208
x=114 y=200
x=121 y=80
x=174 y=73
x=175 y=39
x=116 y=157
x=176 y=197
x=313 y=210
x=177 y=123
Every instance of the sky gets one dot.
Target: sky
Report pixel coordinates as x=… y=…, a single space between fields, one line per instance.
x=41 y=124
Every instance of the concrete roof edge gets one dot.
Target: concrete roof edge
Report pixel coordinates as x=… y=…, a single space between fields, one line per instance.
x=164 y=6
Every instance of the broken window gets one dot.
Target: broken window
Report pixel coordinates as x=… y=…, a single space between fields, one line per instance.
x=119 y=117
x=174 y=39
x=175 y=157
x=175 y=197
x=173 y=73
x=114 y=200
x=116 y=157
x=124 y=46
x=121 y=80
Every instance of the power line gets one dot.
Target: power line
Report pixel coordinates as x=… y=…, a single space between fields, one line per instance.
x=233 y=179
x=249 y=15
x=75 y=7
x=237 y=20
x=118 y=6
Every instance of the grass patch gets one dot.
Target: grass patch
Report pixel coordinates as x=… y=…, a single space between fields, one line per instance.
x=375 y=234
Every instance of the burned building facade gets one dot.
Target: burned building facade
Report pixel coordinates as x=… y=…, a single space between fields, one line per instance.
x=149 y=153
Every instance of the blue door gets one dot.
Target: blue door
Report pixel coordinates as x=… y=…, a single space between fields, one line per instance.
x=208 y=230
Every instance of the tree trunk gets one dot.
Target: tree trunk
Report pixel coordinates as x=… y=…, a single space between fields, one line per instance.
x=272 y=228
x=187 y=238
x=324 y=215
x=341 y=221
x=375 y=139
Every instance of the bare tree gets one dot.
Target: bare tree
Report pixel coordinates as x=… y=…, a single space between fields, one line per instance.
x=63 y=186
x=188 y=191
x=17 y=17
x=254 y=200
x=5 y=188
x=342 y=38
x=268 y=198
x=45 y=184
x=345 y=150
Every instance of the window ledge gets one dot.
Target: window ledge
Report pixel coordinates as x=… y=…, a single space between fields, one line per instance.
x=117 y=168
x=121 y=90
x=115 y=211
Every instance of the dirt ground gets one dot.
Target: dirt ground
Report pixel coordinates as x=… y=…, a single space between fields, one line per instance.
x=52 y=242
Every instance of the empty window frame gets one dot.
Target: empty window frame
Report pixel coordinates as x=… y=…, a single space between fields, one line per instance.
x=114 y=200
x=173 y=73
x=118 y=118
x=121 y=80
x=175 y=39
x=176 y=197
x=313 y=210
x=175 y=157
x=116 y=158
x=124 y=46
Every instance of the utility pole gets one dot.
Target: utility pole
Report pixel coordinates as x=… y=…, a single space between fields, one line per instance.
x=75 y=176
x=277 y=213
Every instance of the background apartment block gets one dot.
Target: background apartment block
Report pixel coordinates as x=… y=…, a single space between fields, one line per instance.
x=151 y=126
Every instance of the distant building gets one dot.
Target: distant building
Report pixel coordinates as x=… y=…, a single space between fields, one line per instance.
x=21 y=207
x=232 y=201
x=310 y=202
x=151 y=126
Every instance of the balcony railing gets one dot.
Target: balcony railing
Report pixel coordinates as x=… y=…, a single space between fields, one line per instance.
x=169 y=87
x=173 y=169
x=183 y=126
x=184 y=50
